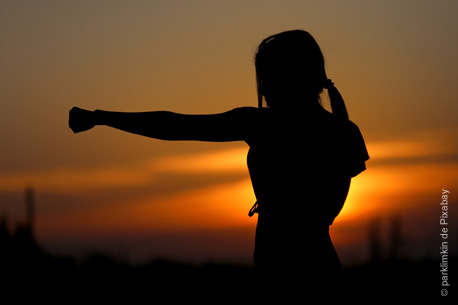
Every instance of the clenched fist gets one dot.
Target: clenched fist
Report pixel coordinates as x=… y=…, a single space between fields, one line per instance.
x=81 y=119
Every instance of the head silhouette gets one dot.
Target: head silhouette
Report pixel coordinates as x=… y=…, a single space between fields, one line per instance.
x=290 y=68
x=290 y=73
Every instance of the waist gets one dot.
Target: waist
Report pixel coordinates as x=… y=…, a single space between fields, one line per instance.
x=300 y=213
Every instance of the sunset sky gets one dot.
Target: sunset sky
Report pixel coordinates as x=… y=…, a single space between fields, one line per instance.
x=395 y=63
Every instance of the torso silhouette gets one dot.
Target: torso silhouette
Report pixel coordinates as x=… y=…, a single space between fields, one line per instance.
x=300 y=166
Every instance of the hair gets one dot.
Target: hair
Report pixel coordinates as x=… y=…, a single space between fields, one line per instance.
x=291 y=64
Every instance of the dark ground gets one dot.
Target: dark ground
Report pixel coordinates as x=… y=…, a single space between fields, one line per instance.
x=26 y=267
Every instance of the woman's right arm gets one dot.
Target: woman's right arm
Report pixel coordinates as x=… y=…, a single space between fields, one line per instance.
x=233 y=125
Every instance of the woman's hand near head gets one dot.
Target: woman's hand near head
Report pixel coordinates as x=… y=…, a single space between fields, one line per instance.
x=81 y=119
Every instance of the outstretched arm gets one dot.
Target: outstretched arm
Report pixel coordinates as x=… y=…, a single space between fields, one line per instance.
x=164 y=125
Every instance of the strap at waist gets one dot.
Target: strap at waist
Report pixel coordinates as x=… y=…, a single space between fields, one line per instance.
x=254 y=209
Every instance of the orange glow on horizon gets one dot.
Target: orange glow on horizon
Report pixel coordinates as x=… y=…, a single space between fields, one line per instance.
x=219 y=206
x=224 y=204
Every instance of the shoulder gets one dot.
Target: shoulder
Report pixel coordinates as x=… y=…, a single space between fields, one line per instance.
x=253 y=111
x=247 y=110
x=251 y=114
x=356 y=139
x=351 y=127
x=250 y=120
x=345 y=126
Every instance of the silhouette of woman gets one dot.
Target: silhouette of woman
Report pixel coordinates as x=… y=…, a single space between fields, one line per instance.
x=301 y=157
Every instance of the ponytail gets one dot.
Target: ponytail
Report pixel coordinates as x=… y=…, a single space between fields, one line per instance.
x=337 y=102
